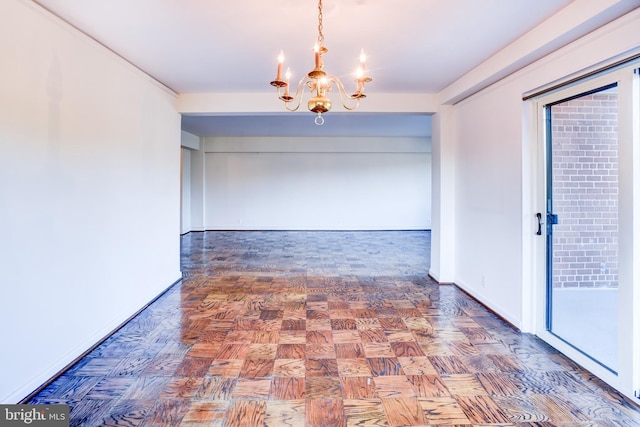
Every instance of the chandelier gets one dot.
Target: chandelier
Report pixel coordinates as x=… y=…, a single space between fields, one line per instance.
x=319 y=82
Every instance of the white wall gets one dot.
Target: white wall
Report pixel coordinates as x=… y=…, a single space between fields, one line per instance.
x=197 y=167
x=189 y=144
x=185 y=191
x=491 y=158
x=189 y=140
x=442 y=266
x=89 y=196
x=316 y=183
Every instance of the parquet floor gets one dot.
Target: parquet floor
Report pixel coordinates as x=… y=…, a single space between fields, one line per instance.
x=325 y=329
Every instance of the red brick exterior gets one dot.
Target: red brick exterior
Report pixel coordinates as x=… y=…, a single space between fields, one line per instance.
x=585 y=191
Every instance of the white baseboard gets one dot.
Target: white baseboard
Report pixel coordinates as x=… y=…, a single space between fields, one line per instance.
x=65 y=362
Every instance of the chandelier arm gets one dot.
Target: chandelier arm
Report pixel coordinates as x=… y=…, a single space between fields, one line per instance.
x=297 y=98
x=343 y=94
x=286 y=105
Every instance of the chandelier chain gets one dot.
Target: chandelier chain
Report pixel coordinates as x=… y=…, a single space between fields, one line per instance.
x=320 y=35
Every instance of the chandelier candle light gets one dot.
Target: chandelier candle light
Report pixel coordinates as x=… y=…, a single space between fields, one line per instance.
x=319 y=82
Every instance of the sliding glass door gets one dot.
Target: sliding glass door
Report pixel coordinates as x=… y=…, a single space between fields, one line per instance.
x=582 y=222
x=589 y=224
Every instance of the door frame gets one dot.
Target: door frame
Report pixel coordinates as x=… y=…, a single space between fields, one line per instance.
x=627 y=380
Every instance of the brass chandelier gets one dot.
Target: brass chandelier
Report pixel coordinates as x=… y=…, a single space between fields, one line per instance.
x=319 y=82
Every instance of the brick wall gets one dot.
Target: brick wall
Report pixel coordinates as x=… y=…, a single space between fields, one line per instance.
x=585 y=191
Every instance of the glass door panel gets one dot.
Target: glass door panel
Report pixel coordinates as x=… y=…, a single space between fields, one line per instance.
x=582 y=223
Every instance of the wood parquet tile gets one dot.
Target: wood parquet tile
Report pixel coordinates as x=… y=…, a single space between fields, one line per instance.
x=285 y=413
x=326 y=329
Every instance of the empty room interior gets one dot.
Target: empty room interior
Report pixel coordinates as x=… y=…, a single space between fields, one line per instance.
x=431 y=217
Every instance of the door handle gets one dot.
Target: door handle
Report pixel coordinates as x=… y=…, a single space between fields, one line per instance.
x=539 y=217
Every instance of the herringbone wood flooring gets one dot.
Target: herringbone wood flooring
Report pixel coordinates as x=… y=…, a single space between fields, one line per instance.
x=325 y=329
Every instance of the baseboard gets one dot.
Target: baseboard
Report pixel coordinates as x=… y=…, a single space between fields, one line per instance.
x=487 y=307
x=436 y=279
x=68 y=366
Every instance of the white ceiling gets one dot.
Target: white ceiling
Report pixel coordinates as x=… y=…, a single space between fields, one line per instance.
x=204 y=46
